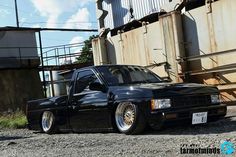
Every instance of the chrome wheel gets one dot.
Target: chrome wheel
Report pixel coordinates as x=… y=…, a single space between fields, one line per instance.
x=47 y=121
x=125 y=116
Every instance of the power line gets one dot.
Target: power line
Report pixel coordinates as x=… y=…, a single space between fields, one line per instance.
x=58 y=22
x=46 y=29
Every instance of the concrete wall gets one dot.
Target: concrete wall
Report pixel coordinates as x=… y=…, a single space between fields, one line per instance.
x=17 y=87
x=19 y=75
x=18 y=49
x=16 y=43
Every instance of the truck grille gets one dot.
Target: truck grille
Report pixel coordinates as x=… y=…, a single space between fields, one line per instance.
x=187 y=101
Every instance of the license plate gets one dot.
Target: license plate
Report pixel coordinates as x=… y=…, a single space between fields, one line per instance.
x=199 y=118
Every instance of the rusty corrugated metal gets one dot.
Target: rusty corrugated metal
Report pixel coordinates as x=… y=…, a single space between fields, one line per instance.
x=137 y=47
x=109 y=18
x=118 y=10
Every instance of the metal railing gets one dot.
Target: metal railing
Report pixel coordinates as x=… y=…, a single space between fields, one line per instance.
x=62 y=54
x=228 y=67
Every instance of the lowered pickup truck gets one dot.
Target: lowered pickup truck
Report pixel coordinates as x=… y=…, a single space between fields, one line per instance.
x=126 y=98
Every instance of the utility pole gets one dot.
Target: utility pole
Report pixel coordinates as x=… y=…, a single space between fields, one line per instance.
x=16 y=10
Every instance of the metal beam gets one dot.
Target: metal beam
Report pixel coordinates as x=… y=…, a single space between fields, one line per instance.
x=192 y=58
x=64 y=67
x=45 y=29
x=64 y=29
x=225 y=69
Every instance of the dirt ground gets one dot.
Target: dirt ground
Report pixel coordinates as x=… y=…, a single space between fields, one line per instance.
x=167 y=142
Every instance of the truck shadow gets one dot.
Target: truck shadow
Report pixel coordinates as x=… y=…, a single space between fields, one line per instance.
x=9 y=138
x=228 y=124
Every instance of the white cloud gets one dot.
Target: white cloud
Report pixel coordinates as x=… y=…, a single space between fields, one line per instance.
x=80 y=20
x=52 y=9
x=76 y=40
x=4 y=13
x=52 y=21
x=36 y=26
x=74 y=50
x=22 y=21
x=84 y=2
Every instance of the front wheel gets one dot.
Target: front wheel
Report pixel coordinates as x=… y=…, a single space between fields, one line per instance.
x=129 y=119
x=48 y=122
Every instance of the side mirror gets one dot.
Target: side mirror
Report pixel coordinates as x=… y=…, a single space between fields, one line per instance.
x=97 y=87
x=167 y=80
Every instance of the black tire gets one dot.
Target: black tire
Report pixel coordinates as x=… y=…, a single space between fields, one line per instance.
x=129 y=119
x=48 y=122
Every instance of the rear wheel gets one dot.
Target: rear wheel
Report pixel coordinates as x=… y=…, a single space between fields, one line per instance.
x=48 y=122
x=129 y=119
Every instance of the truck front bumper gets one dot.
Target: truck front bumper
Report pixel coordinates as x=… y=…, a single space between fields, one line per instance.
x=162 y=117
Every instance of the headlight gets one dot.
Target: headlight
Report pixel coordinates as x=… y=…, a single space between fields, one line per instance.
x=160 y=103
x=215 y=99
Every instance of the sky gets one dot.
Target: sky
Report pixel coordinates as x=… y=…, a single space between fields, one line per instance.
x=74 y=14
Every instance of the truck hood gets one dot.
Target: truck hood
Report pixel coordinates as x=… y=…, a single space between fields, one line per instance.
x=169 y=89
x=162 y=90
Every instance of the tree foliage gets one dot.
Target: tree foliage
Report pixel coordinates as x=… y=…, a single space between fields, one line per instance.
x=86 y=55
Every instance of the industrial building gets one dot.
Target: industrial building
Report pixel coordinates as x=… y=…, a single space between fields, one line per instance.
x=181 y=40
x=19 y=74
x=29 y=71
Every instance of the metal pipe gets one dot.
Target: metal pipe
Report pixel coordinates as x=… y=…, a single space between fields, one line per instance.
x=192 y=58
x=63 y=56
x=46 y=29
x=52 y=83
x=41 y=52
x=20 y=57
x=68 y=45
x=207 y=71
x=59 y=81
x=72 y=30
x=70 y=54
x=56 y=55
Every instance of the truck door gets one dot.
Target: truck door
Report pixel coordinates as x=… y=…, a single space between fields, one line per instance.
x=88 y=109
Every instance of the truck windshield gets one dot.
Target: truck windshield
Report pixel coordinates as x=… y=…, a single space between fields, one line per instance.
x=122 y=75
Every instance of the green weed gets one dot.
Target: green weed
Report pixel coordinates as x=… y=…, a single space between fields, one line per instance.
x=15 y=120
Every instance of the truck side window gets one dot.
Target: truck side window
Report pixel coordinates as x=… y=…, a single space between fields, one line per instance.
x=83 y=80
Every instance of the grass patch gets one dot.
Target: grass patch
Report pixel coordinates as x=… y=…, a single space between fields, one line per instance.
x=15 y=120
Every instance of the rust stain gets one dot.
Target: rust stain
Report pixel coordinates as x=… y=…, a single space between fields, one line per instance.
x=213 y=44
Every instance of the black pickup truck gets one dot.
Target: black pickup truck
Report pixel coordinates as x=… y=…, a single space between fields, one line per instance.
x=126 y=98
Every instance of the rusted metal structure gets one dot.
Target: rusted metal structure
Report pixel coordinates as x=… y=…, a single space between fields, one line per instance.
x=196 y=45
x=114 y=13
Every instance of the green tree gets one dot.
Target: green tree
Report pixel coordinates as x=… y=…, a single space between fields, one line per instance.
x=86 y=55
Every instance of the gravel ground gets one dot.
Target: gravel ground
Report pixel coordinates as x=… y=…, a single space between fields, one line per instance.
x=166 y=142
